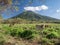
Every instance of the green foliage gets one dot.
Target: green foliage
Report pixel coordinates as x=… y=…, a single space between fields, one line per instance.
x=47 y=36
x=13 y=32
x=2 y=40
x=46 y=41
x=27 y=34
x=31 y=16
x=52 y=35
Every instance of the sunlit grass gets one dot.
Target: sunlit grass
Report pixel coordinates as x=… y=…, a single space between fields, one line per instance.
x=29 y=32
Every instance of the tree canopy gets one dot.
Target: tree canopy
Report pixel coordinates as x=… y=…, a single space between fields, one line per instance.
x=4 y=4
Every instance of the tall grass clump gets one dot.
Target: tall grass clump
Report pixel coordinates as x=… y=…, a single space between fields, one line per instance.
x=50 y=33
x=2 y=40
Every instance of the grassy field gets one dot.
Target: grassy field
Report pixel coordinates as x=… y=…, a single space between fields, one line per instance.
x=30 y=34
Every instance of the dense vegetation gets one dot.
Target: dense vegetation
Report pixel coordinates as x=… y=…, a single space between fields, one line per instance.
x=29 y=28
x=32 y=16
x=30 y=33
x=29 y=17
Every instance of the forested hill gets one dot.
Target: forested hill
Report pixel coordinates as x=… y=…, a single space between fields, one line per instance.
x=32 y=16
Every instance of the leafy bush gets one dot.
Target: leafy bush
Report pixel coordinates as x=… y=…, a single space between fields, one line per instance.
x=45 y=32
x=19 y=32
x=27 y=34
x=46 y=41
x=52 y=35
x=13 y=32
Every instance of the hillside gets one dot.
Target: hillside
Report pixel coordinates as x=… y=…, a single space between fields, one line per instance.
x=32 y=16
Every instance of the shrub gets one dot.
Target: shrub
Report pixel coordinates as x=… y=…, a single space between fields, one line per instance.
x=45 y=32
x=26 y=34
x=52 y=35
x=13 y=32
x=46 y=41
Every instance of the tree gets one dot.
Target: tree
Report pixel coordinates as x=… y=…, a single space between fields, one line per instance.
x=4 y=4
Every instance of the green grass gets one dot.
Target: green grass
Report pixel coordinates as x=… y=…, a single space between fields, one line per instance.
x=29 y=32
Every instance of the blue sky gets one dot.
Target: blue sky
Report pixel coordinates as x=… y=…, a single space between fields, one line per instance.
x=46 y=7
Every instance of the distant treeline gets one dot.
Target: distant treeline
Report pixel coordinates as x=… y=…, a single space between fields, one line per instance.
x=23 y=21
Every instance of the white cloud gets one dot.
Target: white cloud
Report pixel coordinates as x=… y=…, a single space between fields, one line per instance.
x=58 y=11
x=37 y=8
x=44 y=7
